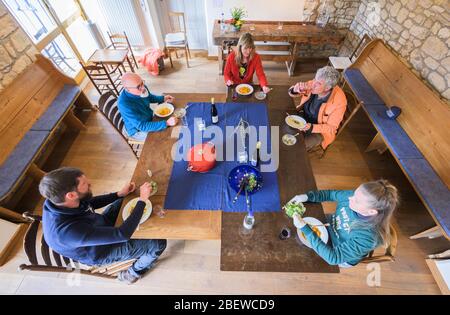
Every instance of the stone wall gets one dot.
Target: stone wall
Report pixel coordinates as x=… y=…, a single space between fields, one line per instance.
x=418 y=31
x=16 y=50
x=341 y=14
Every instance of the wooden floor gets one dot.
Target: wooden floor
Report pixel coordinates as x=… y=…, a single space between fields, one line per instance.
x=192 y=267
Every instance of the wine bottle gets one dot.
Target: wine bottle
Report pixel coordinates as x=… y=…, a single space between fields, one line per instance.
x=214 y=113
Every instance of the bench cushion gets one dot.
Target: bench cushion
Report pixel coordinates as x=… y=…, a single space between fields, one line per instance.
x=19 y=160
x=57 y=109
x=431 y=188
x=363 y=90
x=395 y=136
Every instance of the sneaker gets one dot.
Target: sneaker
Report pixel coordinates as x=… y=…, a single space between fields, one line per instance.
x=127 y=278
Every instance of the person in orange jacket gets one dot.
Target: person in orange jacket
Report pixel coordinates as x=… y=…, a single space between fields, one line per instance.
x=243 y=63
x=324 y=104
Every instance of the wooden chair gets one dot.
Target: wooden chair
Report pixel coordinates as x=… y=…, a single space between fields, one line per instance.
x=103 y=79
x=54 y=262
x=120 y=41
x=389 y=255
x=108 y=107
x=177 y=38
x=342 y=63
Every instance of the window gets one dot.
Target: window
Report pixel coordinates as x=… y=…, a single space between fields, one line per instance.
x=58 y=29
x=33 y=17
x=62 y=55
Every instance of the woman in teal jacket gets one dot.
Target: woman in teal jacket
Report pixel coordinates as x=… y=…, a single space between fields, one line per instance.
x=359 y=225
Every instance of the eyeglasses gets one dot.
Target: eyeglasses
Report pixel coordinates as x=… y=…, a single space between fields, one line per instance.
x=139 y=87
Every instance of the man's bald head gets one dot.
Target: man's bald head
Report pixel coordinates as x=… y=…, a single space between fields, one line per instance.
x=133 y=83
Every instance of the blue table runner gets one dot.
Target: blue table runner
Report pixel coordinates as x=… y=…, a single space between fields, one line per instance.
x=210 y=191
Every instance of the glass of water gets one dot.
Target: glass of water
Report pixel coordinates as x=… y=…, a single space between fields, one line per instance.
x=201 y=125
x=242 y=157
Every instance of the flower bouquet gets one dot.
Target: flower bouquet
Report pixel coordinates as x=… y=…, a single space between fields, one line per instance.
x=237 y=16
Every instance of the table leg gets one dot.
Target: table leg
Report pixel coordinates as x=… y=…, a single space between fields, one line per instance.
x=293 y=63
x=221 y=61
x=130 y=64
x=432 y=233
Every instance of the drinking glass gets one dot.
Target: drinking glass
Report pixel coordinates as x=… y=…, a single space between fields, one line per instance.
x=160 y=212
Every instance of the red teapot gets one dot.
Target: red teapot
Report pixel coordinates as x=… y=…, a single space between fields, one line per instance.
x=202 y=158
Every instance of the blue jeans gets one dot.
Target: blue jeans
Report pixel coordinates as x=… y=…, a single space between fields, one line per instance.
x=145 y=251
x=138 y=136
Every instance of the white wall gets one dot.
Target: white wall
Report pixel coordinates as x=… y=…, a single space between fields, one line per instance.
x=262 y=10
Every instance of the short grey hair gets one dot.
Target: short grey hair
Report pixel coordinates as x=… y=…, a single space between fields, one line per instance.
x=329 y=75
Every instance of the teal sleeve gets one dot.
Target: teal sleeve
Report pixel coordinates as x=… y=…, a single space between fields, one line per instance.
x=354 y=249
x=156 y=99
x=329 y=195
x=151 y=126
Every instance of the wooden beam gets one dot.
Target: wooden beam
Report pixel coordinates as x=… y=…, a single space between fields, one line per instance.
x=10 y=215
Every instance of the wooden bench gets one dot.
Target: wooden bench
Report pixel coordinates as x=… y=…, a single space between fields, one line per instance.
x=419 y=139
x=31 y=110
x=268 y=50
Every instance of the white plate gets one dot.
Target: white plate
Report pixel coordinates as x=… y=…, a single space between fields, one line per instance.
x=131 y=204
x=240 y=86
x=323 y=231
x=290 y=121
x=164 y=105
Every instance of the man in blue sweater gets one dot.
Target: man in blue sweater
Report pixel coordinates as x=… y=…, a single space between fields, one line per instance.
x=134 y=106
x=72 y=228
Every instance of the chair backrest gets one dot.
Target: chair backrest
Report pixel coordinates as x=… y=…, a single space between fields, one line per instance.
x=120 y=41
x=360 y=47
x=29 y=245
x=107 y=105
x=390 y=252
x=100 y=77
x=177 y=22
x=54 y=262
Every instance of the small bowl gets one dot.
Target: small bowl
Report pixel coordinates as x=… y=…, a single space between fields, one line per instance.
x=260 y=95
x=179 y=113
x=289 y=140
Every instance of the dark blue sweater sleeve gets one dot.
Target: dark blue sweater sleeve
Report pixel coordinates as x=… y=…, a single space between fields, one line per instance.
x=102 y=201
x=83 y=235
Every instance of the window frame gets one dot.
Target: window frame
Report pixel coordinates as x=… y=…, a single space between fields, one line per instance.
x=60 y=29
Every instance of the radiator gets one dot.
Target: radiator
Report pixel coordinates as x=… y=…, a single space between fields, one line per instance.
x=120 y=16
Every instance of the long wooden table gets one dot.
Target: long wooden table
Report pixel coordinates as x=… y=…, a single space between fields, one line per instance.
x=295 y=33
x=261 y=249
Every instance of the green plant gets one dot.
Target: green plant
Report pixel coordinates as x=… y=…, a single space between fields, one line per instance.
x=238 y=13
